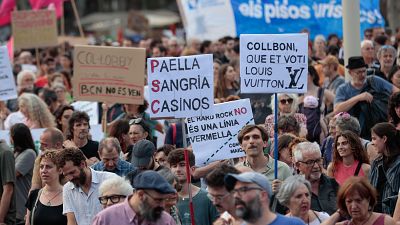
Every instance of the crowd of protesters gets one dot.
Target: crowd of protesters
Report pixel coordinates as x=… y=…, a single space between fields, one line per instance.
x=338 y=145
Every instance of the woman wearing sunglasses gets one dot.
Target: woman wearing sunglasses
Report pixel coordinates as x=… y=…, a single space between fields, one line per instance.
x=287 y=105
x=138 y=130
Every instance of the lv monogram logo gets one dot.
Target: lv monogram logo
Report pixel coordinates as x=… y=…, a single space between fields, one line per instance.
x=295 y=75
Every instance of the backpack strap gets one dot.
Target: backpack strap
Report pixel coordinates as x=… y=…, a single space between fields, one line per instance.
x=35 y=206
x=358 y=169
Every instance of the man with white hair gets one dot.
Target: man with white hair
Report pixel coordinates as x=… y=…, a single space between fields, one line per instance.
x=113 y=191
x=25 y=83
x=368 y=52
x=386 y=57
x=308 y=161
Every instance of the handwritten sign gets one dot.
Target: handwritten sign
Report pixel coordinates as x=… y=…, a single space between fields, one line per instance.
x=180 y=87
x=8 y=90
x=273 y=63
x=91 y=108
x=34 y=29
x=214 y=137
x=109 y=74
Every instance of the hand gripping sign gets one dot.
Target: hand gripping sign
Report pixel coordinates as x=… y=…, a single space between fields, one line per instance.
x=273 y=63
x=180 y=87
x=214 y=137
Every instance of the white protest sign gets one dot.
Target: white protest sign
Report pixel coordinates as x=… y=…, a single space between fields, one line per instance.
x=214 y=137
x=91 y=108
x=96 y=132
x=180 y=87
x=273 y=63
x=8 y=90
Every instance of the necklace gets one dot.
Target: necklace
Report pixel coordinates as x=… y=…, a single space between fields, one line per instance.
x=362 y=222
x=49 y=201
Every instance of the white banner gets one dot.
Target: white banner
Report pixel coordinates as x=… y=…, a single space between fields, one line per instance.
x=207 y=20
x=8 y=90
x=214 y=137
x=273 y=63
x=180 y=87
x=91 y=108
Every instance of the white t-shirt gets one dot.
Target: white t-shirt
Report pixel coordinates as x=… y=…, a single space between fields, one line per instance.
x=322 y=217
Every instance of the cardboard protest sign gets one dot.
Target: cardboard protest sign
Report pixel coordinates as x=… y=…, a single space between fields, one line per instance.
x=214 y=137
x=34 y=29
x=180 y=87
x=273 y=63
x=109 y=74
x=8 y=90
x=91 y=108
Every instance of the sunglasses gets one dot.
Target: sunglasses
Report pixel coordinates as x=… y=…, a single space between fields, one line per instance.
x=135 y=121
x=286 y=101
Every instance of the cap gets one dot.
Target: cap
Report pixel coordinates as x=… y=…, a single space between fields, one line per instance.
x=356 y=62
x=248 y=177
x=329 y=60
x=142 y=152
x=310 y=102
x=150 y=179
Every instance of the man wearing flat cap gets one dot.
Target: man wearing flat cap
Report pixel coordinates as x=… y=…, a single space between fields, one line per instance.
x=356 y=94
x=145 y=206
x=252 y=192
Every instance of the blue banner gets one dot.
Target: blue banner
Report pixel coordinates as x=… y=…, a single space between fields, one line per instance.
x=291 y=16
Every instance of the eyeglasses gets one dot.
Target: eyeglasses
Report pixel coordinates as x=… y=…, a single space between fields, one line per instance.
x=243 y=190
x=157 y=200
x=135 y=121
x=218 y=198
x=113 y=198
x=286 y=101
x=311 y=162
x=360 y=72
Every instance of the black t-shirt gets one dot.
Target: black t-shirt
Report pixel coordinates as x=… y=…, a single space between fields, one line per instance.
x=45 y=215
x=91 y=149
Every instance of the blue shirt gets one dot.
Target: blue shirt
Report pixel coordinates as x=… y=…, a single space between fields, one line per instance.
x=122 y=169
x=285 y=220
x=347 y=91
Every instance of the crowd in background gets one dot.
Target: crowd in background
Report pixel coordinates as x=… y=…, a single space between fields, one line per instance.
x=338 y=145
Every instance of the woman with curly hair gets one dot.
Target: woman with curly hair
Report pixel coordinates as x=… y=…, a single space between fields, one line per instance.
x=349 y=158
x=394 y=110
x=36 y=111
